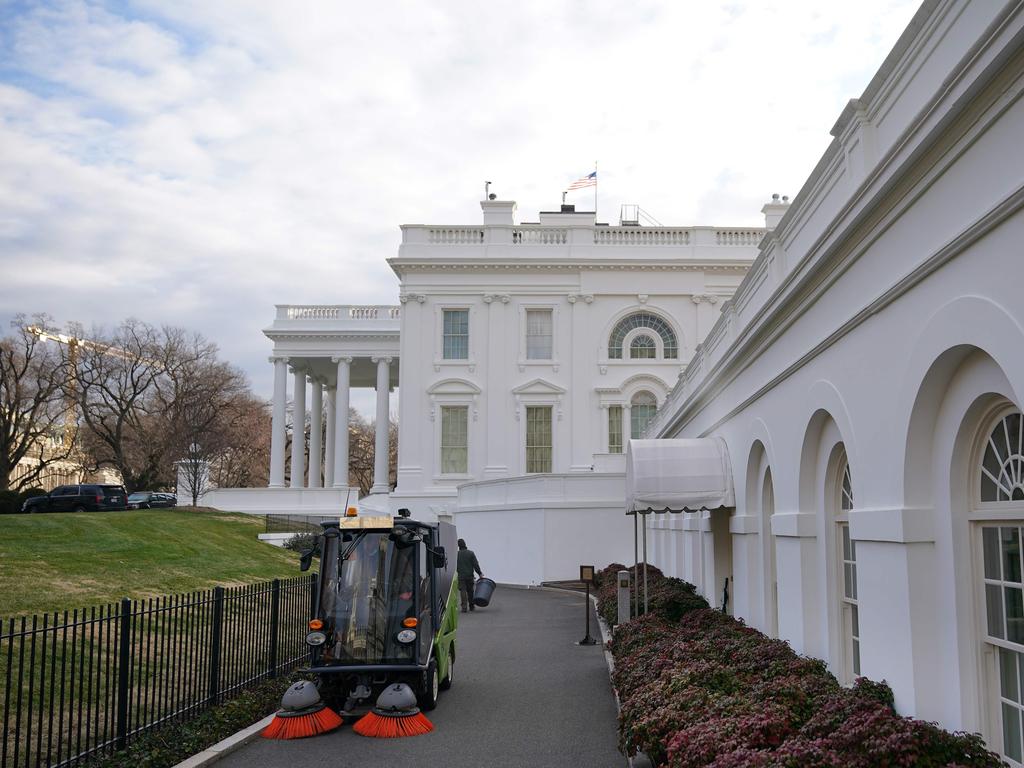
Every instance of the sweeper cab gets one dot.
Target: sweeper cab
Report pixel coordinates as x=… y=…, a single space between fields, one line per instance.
x=386 y=610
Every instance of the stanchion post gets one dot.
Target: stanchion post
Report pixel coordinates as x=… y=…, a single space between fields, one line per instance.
x=587 y=577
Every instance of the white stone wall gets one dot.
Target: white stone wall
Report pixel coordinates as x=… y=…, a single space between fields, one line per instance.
x=884 y=322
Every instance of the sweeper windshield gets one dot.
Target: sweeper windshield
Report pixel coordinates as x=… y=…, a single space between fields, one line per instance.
x=375 y=604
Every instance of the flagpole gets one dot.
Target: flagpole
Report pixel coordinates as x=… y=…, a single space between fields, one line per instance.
x=595 y=190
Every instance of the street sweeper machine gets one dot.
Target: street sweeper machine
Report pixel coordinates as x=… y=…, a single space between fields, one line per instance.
x=383 y=634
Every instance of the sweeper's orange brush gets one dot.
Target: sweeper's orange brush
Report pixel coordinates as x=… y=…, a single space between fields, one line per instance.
x=302 y=714
x=395 y=716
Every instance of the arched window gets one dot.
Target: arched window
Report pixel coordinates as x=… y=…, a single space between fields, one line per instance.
x=643 y=406
x=643 y=348
x=847 y=555
x=643 y=320
x=1000 y=489
x=1002 y=469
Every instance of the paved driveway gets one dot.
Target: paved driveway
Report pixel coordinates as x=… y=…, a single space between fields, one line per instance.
x=524 y=695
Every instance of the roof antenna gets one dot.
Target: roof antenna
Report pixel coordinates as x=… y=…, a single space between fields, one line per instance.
x=487 y=190
x=563 y=197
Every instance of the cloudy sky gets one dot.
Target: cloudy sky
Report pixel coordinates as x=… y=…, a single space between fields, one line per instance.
x=195 y=162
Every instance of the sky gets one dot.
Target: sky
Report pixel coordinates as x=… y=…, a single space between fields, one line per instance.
x=195 y=162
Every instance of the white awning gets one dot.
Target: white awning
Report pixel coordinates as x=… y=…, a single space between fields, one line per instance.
x=676 y=475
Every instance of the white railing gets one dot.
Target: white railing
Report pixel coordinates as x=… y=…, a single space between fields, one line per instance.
x=540 y=236
x=738 y=236
x=641 y=236
x=455 y=235
x=314 y=313
x=339 y=312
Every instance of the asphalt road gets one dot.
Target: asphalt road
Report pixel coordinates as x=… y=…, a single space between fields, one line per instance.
x=524 y=695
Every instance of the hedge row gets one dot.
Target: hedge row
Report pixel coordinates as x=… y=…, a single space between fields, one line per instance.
x=668 y=597
x=11 y=501
x=703 y=689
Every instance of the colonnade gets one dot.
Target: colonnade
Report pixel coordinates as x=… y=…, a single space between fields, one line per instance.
x=328 y=464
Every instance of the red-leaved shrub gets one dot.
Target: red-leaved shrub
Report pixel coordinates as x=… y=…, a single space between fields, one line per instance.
x=699 y=688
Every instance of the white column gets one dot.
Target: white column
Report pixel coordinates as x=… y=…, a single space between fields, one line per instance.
x=380 y=456
x=332 y=401
x=626 y=408
x=299 y=430
x=341 y=422
x=277 y=431
x=316 y=429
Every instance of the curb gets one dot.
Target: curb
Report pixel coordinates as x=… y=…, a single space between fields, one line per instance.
x=227 y=746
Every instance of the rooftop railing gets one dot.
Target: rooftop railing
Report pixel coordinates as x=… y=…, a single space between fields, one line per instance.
x=545 y=235
x=338 y=312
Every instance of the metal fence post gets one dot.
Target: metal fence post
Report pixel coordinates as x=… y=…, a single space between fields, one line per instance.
x=123 y=669
x=275 y=608
x=312 y=595
x=215 y=643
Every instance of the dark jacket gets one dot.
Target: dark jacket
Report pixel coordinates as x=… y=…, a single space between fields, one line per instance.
x=467 y=563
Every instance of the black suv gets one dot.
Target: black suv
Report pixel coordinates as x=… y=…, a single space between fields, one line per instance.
x=79 y=498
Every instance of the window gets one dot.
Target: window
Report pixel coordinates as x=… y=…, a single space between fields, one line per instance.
x=454 y=439
x=1004 y=612
x=538 y=438
x=614 y=429
x=643 y=406
x=1001 y=481
x=538 y=334
x=643 y=348
x=456 y=334
x=643 y=320
x=1002 y=469
x=850 y=615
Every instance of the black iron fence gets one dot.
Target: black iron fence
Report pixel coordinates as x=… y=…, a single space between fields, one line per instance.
x=296 y=523
x=82 y=683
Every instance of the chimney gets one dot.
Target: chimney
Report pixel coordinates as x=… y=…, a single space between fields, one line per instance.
x=774 y=211
x=499 y=212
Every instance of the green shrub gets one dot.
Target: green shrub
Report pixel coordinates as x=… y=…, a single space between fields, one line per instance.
x=302 y=542
x=31 y=493
x=10 y=503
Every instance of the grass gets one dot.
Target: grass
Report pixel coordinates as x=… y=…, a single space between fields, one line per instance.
x=51 y=562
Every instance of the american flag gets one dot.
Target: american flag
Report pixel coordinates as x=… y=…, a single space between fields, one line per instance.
x=590 y=180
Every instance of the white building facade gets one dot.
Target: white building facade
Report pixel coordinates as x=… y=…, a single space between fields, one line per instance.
x=530 y=354
x=867 y=378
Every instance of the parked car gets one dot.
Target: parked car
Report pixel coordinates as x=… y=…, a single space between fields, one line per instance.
x=151 y=499
x=79 y=498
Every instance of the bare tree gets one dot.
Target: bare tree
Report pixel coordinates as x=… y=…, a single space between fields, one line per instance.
x=117 y=380
x=362 y=448
x=35 y=419
x=245 y=460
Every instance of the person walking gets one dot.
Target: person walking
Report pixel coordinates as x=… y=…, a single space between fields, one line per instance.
x=465 y=566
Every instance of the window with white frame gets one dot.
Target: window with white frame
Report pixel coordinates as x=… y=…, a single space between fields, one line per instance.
x=454 y=439
x=849 y=611
x=1000 y=490
x=642 y=408
x=630 y=323
x=455 y=334
x=643 y=347
x=539 y=334
x=614 y=429
x=538 y=438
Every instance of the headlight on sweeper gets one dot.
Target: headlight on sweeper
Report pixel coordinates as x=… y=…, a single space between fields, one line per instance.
x=406 y=636
x=316 y=638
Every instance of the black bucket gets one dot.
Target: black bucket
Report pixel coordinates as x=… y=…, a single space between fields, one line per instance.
x=482 y=591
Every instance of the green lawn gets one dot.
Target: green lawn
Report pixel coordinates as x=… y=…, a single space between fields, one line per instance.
x=55 y=561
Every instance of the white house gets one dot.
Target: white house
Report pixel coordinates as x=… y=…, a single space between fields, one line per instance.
x=853 y=374
x=527 y=355
x=865 y=383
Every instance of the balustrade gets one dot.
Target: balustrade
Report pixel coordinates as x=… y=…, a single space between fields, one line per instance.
x=641 y=236
x=738 y=236
x=540 y=236
x=455 y=235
